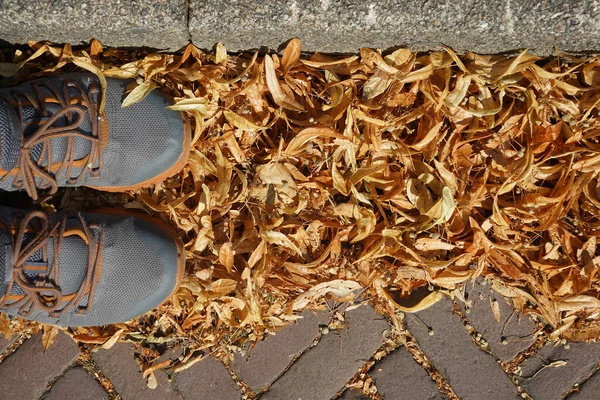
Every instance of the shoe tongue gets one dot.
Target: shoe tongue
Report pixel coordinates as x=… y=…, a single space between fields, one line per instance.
x=72 y=263
x=82 y=147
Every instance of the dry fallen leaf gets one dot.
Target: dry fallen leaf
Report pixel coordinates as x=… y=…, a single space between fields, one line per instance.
x=138 y=94
x=318 y=175
x=49 y=334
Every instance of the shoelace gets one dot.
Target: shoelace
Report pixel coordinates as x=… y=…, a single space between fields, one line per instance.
x=43 y=292
x=27 y=170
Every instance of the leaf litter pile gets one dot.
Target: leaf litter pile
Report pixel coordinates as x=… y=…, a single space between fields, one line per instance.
x=316 y=177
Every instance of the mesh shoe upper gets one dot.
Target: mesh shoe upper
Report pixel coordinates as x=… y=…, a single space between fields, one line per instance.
x=84 y=270
x=51 y=135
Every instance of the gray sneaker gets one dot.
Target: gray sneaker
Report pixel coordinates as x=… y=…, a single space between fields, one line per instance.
x=52 y=135
x=85 y=269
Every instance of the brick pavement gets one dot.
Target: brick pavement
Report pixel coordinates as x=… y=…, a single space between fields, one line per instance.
x=450 y=349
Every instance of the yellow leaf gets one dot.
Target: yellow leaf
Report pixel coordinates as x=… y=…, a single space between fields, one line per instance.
x=279 y=239
x=460 y=90
x=338 y=287
x=430 y=244
x=279 y=97
x=399 y=57
x=48 y=336
x=86 y=63
x=220 y=53
x=291 y=54
x=152 y=383
x=125 y=71
x=95 y=47
x=495 y=309
x=198 y=104
x=226 y=256
x=5 y=326
x=151 y=369
x=448 y=205
x=241 y=122
x=138 y=94
x=431 y=135
x=376 y=84
x=257 y=254
x=425 y=303
x=419 y=195
x=418 y=75
x=223 y=286
x=113 y=339
x=273 y=81
x=339 y=183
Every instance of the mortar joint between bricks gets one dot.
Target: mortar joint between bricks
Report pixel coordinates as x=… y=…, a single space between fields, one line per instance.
x=423 y=360
x=14 y=346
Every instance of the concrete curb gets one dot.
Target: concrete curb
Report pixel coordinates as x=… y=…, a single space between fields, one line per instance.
x=334 y=26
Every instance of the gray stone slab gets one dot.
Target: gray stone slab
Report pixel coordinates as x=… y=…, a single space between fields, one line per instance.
x=472 y=373
x=207 y=379
x=589 y=390
x=323 y=370
x=159 y=24
x=346 y=25
x=507 y=337
x=25 y=374
x=400 y=366
x=76 y=383
x=120 y=367
x=565 y=368
x=267 y=359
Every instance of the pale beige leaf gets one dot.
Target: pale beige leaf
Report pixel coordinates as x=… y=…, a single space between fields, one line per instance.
x=278 y=94
x=279 y=239
x=220 y=53
x=113 y=339
x=431 y=244
x=240 y=122
x=199 y=104
x=138 y=94
x=152 y=382
x=291 y=54
x=223 y=286
x=226 y=254
x=339 y=288
x=48 y=336
x=495 y=309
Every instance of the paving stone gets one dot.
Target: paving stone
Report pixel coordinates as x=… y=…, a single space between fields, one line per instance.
x=4 y=342
x=120 y=367
x=346 y=25
x=514 y=328
x=268 y=358
x=76 y=383
x=589 y=390
x=323 y=370
x=207 y=379
x=553 y=382
x=472 y=373
x=26 y=373
x=352 y=394
x=400 y=366
x=160 y=24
